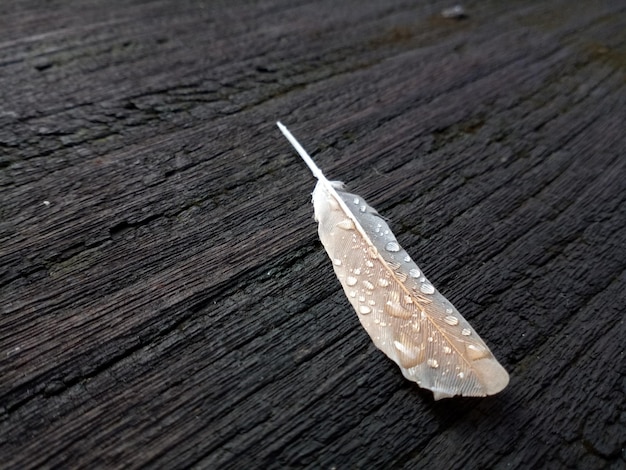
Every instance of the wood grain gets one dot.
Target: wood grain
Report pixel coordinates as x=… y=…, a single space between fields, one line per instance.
x=165 y=301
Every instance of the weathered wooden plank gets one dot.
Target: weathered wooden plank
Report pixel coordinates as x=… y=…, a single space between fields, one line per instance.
x=165 y=301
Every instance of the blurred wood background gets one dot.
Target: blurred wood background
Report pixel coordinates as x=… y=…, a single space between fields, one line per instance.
x=165 y=301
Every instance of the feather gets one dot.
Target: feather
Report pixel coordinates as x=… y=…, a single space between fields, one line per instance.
x=406 y=317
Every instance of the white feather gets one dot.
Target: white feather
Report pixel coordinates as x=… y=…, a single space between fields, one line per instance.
x=406 y=317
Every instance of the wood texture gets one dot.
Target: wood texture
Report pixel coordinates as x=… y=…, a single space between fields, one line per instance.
x=165 y=301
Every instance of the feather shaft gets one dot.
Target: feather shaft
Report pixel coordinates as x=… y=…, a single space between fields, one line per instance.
x=328 y=185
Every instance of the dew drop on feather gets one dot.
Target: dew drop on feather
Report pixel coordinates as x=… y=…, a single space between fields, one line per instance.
x=346 y=224
x=351 y=280
x=396 y=310
x=451 y=320
x=427 y=288
x=401 y=347
x=392 y=246
x=410 y=355
x=415 y=273
x=476 y=352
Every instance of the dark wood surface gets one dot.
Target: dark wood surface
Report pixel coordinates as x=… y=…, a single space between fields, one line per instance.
x=165 y=301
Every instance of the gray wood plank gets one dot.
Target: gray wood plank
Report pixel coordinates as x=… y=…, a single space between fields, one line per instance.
x=165 y=301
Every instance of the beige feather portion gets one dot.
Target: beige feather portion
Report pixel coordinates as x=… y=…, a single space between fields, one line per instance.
x=406 y=317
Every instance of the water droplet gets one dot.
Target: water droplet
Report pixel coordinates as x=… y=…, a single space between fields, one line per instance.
x=415 y=273
x=371 y=302
x=430 y=339
x=407 y=259
x=357 y=271
x=396 y=310
x=447 y=349
x=409 y=353
x=408 y=299
x=427 y=288
x=476 y=352
x=392 y=246
x=346 y=224
x=466 y=332
x=363 y=208
x=451 y=320
x=364 y=309
x=432 y=363
x=448 y=310
x=461 y=375
x=356 y=201
x=352 y=293
x=368 y=285
x=382 y=323
x=351 y=280
x=361 y=298
x=401 y=347
x=337 y=262
x=369 y=264
x=382 y=282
